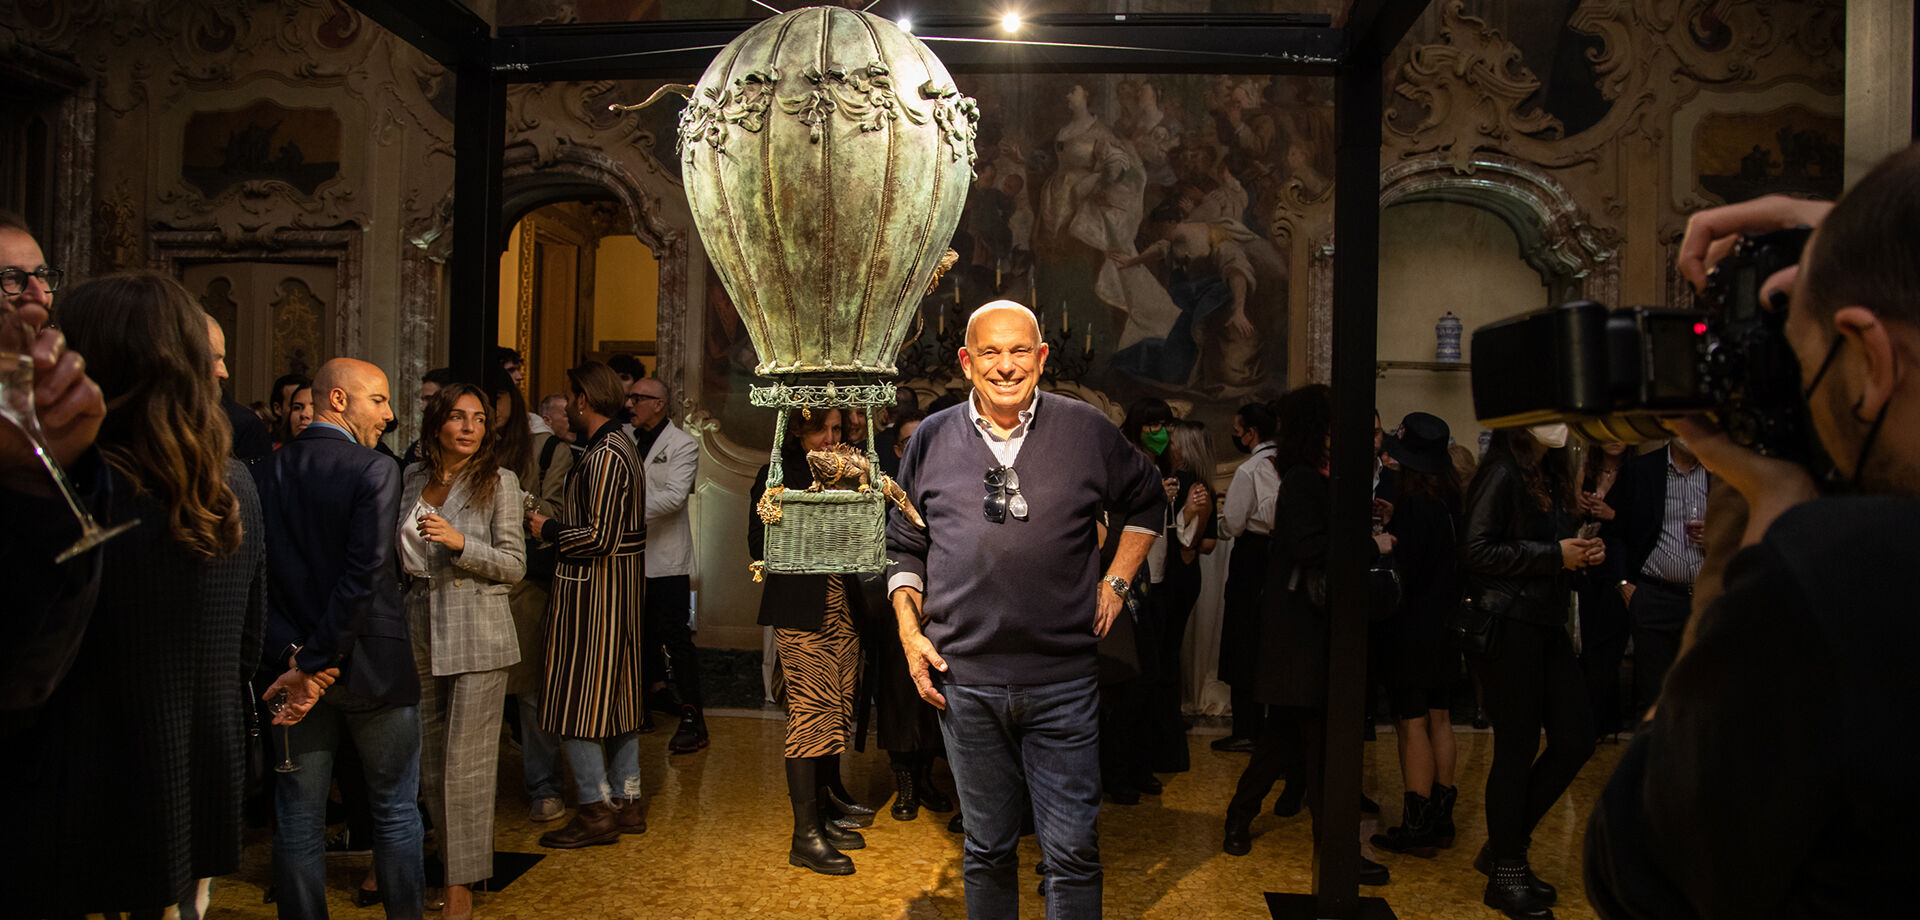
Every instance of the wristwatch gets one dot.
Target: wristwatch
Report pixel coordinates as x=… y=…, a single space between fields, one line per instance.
x=1118 y=584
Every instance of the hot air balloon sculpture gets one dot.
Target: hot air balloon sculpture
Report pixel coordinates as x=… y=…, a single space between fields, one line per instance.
x=826 y=155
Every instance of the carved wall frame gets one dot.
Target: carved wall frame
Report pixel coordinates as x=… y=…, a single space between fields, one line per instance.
x=1574 y=257
x=170 y=251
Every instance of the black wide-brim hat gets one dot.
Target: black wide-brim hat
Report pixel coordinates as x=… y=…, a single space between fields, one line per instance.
x=1423 y=444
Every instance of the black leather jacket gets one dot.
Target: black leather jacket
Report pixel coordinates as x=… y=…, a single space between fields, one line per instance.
x=1510 y=552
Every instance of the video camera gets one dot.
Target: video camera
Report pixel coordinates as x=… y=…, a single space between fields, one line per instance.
x=1612 y=374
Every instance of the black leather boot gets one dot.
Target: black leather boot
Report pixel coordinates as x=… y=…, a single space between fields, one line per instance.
x=692 y=735
x=1443 y=831
x=1509 y=891
x=1483 y=864
x=1414 y=834
x=929 y=791
x=1238 y=840
x=1374 y=874
x=810 y=847
x=837 y=803
x=906 y=801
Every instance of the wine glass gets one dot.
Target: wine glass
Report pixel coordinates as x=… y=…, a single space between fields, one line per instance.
x=286 y=764
x=16 y=406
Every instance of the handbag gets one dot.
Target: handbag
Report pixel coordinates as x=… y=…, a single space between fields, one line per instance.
x=542 y=557
x=1473 y=626
x=1383 y=591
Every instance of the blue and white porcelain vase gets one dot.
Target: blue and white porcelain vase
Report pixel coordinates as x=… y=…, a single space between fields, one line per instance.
x=1447 y=332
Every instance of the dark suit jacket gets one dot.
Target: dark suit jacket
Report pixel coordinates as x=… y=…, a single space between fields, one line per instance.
x=1639 y=502
x=251 y=443
x=330 y=507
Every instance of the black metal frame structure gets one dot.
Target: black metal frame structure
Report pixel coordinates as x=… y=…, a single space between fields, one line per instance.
x=1352 y=50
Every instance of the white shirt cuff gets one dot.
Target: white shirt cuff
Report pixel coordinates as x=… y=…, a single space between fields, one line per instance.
x=1135 y=528
x=905 y=580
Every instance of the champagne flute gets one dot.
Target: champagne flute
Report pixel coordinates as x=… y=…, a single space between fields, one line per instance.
x=16 y=406
x=286 y=764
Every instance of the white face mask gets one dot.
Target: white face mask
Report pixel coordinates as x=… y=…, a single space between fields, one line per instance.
x=1554 y=436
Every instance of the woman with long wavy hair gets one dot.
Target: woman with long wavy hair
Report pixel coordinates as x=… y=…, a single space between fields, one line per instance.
x=131 y=776
x=461 y=544
x=1517 y=551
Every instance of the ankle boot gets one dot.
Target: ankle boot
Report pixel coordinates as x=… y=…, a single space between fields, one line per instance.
x=1414 y=834
x=1483 y=864
x=631 y=814
x=1509 y=891
x=592 y=825
x=1443 y=831
x=930 y=794
x=906 y=801
x=841 y=838
x=692 y=735
x=810 y=847
x=1238 y=840
x=1374 y=874
x=836 y=802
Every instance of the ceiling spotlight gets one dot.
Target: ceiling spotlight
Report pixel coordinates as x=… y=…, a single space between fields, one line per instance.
x=905 y=23
x=1010 y=22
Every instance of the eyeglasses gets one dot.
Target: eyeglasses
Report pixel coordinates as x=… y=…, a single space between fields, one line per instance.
x=1003 y=495
x=636 y=397
x=14 y=280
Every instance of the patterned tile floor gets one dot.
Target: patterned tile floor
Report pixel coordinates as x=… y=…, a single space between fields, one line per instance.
x=719 y=822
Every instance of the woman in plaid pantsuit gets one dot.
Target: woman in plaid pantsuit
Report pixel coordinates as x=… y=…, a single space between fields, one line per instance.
x=461 y=545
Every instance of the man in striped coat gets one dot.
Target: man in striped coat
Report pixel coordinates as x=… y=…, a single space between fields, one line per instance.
x=592 y=698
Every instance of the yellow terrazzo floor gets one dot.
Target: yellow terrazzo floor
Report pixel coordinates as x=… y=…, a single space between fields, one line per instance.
x=717 y=846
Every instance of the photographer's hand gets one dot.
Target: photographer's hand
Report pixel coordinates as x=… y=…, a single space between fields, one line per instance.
x=1705 y=229
x=1770 y=486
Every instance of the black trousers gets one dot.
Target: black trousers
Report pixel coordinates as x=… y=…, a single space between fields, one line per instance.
x=1533 y=682
x=1289 y=745
x=1659 y=614
x=669 y=606
x=1603 y=645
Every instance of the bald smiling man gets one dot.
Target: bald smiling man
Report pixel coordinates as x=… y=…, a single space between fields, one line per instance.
x=1006 y=583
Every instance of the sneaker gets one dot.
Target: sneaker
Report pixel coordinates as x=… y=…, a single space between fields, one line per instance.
x=546 y=808
x=343 y=843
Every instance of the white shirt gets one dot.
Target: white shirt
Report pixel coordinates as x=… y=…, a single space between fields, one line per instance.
x=1250 y=497
x=413 y=543
x=1007 y=449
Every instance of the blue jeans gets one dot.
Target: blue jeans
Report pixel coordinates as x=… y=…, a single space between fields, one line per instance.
x=593 y=758
x=388 y=738
x=539 y=751
x=1011 y=745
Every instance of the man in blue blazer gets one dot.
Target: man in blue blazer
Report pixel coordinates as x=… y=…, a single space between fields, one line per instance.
x=331 y=504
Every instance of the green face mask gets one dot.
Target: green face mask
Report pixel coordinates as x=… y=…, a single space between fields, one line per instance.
x=1155 y=441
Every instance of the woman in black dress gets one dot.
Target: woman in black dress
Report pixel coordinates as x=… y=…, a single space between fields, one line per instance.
x=1192 y=532
x=133 y=771
x=815 y=621
x=1421 y=663
x=1517 y=549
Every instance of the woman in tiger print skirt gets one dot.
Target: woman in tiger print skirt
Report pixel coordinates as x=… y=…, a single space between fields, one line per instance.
x=819 y=646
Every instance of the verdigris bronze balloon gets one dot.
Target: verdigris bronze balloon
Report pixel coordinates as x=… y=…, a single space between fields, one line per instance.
x=827 y=155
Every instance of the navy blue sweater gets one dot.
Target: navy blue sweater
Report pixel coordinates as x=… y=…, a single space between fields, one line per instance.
x=1014 y=603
